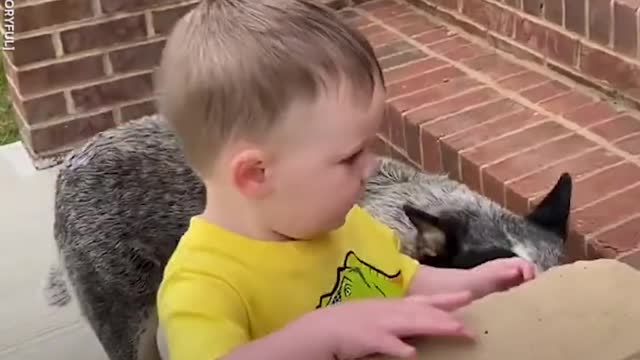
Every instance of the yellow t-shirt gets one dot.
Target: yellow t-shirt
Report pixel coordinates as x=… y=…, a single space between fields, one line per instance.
x=221 y=290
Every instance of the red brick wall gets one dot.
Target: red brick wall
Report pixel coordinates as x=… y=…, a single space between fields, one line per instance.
x=592 y=41
x=82 y=66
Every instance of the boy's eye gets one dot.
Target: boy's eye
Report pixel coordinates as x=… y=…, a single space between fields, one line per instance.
x=352 y=158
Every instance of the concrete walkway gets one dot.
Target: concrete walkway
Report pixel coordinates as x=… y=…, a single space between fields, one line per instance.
x=29 y=329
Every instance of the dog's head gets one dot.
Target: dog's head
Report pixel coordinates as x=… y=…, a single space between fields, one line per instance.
x=465 y=238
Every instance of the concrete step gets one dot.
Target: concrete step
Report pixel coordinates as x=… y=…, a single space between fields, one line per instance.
x=506 y=127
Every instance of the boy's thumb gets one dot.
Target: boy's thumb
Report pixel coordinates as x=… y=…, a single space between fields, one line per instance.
x=393 y=346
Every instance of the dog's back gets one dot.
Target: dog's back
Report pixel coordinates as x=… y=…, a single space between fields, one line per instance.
x=122 y=203
x=124 y=200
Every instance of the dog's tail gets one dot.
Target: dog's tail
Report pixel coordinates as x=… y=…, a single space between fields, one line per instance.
x=56 y=290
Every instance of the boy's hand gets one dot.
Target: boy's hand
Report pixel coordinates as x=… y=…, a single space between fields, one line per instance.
x=500 y=275
x=359 y=328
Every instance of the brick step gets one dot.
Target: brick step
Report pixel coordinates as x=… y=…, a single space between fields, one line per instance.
x=505 y=127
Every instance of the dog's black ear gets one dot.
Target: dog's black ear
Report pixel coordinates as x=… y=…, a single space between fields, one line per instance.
x=553 y=212
x=438 y=235
x=422 y=220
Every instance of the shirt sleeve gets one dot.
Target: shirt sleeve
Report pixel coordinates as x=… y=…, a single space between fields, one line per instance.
x=408 y=265
x=201 y=317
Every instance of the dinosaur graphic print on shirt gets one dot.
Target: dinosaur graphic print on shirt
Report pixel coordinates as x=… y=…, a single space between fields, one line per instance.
x=356 y=279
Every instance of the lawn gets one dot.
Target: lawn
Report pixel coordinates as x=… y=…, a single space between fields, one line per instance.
x=8 y=128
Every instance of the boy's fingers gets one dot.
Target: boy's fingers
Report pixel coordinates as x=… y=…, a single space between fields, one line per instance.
x=441 y=328
x=393 y=346
x=428 y=321
x=449 y=301
x=531 y=272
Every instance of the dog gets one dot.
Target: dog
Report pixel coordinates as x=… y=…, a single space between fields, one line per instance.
x=123 y=200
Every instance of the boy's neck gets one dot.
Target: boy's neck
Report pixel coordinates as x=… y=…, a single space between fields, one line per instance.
x=226 y=210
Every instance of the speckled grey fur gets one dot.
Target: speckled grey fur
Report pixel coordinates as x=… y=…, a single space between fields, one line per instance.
x=124 y=199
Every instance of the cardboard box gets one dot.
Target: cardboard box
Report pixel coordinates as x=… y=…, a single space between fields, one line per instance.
x=588 y=310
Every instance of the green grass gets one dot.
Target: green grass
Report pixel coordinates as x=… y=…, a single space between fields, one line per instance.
x=8 y=128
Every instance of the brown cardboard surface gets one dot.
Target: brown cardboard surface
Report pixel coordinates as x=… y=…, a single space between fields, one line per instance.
x=588 y=310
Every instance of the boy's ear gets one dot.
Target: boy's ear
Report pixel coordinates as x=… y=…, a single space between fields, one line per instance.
x=437 y=234
x=248 y=173
x=553 y=211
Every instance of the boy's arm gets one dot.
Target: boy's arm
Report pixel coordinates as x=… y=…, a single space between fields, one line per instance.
x=432 y=281
x=492 y=276
x=287 y=343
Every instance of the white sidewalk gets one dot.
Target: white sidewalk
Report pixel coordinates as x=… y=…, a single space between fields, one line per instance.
x=29 y=329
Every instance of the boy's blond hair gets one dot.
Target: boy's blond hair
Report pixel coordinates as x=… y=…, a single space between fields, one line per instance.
x=230 y=68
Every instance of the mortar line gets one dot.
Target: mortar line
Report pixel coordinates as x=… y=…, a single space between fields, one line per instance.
x=94 y=82
x=96 y=8
x=604 y=121
x=587 y=10
x=454 y=113
x=472 y=57
x=544 y=100
x=70 y=104
x=637 y=32
x=396 y=54
x=614 y=225
x=148 y=23
x=101 y=18
x=508 y=76
x=403 y=64
x=463 y=92
x=58 y=49
x=551 y=164
x=117 y=115
x=429 y=88
x=107 y=65
x=482 y=167
x=521 y=151
x=414 y=76
x=610 y=30
x=395 y=40
x=71 y=116
x=362 y=29
x=458 y=112
x=91 y=112
x=488 y=122
x=607 y=197
x=586 y=176
x=532 y=66
x=499 y=137
x=77 y=24
x=530 y=86
x=625 y=137
x=478 y=75
x=85 y=54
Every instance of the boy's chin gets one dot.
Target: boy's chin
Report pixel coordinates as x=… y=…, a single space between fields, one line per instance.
x=338 y=221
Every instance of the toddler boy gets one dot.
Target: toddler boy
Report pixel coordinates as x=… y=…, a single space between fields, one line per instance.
x=275 y=103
